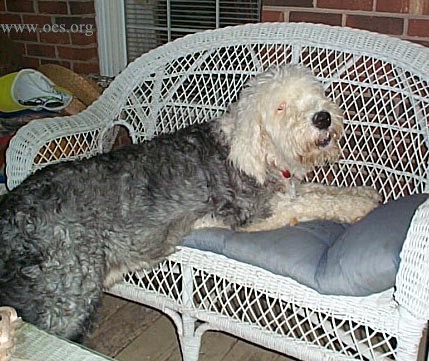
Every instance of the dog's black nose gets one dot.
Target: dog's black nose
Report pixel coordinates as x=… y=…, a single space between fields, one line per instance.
x=322 y=120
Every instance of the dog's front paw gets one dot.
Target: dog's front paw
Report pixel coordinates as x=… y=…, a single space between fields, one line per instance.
x=369 y=193
x=364 y=202
x=209 y=221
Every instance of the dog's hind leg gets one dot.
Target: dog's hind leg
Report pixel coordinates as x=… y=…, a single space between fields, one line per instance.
x=38 y=294
x=54 y=277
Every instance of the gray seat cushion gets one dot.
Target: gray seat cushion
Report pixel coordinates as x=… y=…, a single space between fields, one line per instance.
x=332 y=258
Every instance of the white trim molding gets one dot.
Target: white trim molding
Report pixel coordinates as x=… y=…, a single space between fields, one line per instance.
x=111 y=36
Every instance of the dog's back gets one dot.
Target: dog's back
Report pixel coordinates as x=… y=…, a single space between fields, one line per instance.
x=66 y=226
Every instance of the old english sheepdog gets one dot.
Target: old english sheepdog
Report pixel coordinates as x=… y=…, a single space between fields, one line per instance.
x=72 y=229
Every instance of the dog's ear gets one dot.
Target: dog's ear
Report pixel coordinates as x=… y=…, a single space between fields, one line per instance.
x=247 y=147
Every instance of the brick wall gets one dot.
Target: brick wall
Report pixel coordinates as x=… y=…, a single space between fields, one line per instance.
x=407 y=19
x=65 y=34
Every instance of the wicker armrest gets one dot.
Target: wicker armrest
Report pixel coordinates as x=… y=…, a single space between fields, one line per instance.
x=412 y=280
x=51 y=140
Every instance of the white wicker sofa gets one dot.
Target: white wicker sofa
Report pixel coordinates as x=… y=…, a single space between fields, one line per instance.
x=381 y=84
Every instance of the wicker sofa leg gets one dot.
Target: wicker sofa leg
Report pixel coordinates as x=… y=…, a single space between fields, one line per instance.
x=189 y=335
x=190 y=339
x=188 y=331
x=410 y=329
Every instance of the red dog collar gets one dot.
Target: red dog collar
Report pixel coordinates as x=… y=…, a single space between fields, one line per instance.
x=286 y=174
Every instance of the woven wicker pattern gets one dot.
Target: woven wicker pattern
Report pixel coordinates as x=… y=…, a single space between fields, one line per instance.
x=228 y=294
x=381 y=84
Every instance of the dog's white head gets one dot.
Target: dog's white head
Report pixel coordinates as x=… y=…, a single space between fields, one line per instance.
x=283 y=122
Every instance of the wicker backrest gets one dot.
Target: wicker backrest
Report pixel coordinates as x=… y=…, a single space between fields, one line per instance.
x=381 y=84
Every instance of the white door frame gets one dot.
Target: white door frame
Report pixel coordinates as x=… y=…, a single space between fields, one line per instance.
x=111 y=36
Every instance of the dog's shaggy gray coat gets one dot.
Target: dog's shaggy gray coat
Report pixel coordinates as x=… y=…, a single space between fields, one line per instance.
x=74 y=228
x=70 y=224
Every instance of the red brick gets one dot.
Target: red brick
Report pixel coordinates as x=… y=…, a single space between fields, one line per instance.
x=272 y=16
x=64 y=63
x=55 y=37
x=86 y=68
x=37 y=19
x=296 y=3
x=346 y=4
x=418 y=27
x=312 y=17
x=74 y=21
x=121 y=141
x=30 y=62
x=47 y=51
x=80 y=8
x=393 y=6
x=23 y=6
x=77 y=53
x=384 y=25
x=82 y=39
x=21 y=47
x=419 y=7
x=123 y=137
x=24 y=35
x=52 y=7
x=10 y=19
